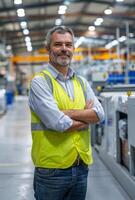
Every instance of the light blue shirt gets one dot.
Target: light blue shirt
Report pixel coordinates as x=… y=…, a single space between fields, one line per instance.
x=42 y=102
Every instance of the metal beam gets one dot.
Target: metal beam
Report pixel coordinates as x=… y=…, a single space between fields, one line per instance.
x=55 y=3
x=44 y=29
x=110 y=3
x=30 y=6
x=14 y=19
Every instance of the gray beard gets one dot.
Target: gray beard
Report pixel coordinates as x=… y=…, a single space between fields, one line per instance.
x=63 y=62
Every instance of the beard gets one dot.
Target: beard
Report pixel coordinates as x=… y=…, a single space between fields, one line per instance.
x=61 y=59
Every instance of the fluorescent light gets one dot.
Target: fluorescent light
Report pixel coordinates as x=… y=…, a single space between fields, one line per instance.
x=99 y=20
x=91 y=28
x=111 y=44
x=97 y=23
x=79 y=41
x=25 y=31
x=17 y=2
x=8 y=47
x=61 y=12
x=20 y=12
x=62 y=9
x=28 y=44
x=23 y=24
x=58 y=22
x=27 y=39
x=29 y=48
x=119 y=0
x=122 y=38
x=108 y=11
x=115 y=42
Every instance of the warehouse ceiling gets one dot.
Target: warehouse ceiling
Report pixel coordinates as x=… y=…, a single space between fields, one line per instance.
x=24 y=23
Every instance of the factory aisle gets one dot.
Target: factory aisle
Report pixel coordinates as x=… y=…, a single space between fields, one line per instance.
x=16 y=169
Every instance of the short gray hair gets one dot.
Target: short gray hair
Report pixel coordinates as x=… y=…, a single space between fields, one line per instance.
x=58 y=29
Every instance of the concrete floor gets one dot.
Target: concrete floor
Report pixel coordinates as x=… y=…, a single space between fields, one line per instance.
x=16 y=168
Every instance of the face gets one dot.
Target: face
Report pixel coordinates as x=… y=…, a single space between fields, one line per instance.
x=61 y=49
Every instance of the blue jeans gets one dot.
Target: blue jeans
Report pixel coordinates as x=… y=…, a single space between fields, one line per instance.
x=61 y=184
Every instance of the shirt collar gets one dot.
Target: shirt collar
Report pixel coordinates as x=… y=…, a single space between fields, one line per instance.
x=57 y=75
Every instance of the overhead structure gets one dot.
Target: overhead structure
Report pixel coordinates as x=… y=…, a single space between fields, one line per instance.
x=24 y=23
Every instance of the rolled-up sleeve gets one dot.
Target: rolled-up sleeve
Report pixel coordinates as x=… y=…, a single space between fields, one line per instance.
x=97 y=107
x=42 y=102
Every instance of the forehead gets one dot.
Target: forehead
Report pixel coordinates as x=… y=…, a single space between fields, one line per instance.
x=61 y=37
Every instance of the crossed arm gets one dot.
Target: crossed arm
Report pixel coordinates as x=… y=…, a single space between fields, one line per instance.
x=82 y=118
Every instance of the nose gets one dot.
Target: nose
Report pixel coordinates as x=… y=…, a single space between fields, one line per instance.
x=63 y=47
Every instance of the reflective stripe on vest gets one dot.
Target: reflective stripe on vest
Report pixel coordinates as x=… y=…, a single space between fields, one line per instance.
x=41 y=127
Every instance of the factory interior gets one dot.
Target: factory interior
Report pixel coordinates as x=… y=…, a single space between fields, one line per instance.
x=104 y=55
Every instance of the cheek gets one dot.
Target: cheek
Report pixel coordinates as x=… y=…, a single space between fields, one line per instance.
x=71 y=53
x=53 y=54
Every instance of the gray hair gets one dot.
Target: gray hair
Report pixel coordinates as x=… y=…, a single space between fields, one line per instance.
x=58 y=29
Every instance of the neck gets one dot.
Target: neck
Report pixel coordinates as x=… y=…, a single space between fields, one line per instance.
x=61 y=69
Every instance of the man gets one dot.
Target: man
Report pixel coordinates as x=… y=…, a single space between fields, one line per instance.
x=62 y=107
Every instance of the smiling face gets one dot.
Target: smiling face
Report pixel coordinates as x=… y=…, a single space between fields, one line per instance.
x=61 y=49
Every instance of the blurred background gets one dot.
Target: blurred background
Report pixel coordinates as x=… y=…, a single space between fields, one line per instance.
x=104 y=54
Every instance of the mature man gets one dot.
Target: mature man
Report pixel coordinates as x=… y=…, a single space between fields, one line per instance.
x=62 y=107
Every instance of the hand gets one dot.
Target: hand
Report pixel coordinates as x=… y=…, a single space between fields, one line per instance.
x=89 y=104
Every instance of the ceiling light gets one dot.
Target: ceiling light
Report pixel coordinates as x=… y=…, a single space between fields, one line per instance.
x=17 y=2
x=79 y=42
x=91 y=28
x=115 y=42
x=23 y=24
x=99 y=20
x=62 y=9
x=108 y=11
x=29 y=48
x=119 y=0
x=28 y=44
x=61 y=12
x=20 y=12
x=111 y=44
x=122 y=38
x=25 y=31
x=97 y=23
x=27 y=39
x=8 y=47
x=58 y=22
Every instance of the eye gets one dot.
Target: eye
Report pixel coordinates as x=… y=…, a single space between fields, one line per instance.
x=58 y=44
x=69 y=44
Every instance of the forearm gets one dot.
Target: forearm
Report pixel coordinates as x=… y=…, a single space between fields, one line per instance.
x=77 y=125
x=86 y=116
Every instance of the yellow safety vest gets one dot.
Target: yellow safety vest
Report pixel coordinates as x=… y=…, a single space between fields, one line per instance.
x=52 y=149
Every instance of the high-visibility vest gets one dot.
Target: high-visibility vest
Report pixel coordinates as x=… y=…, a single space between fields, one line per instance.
x=52 y=149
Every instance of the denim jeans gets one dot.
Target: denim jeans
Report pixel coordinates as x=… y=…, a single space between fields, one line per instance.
x=61 y=184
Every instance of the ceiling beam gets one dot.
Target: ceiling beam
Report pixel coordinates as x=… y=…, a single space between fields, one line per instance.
x=74 y=26
x=57 y=3
x=119 y=16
